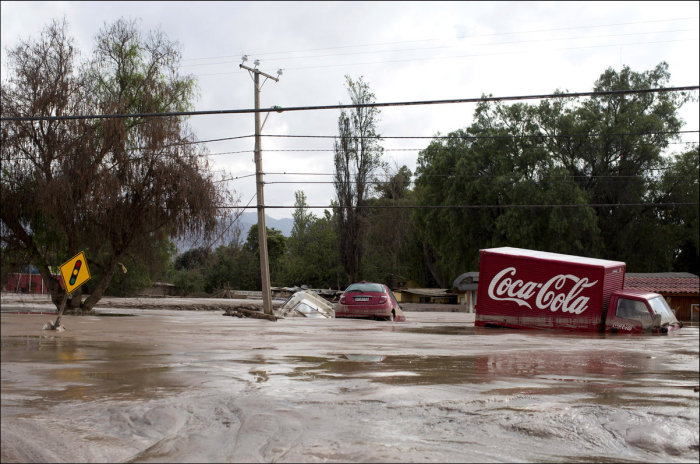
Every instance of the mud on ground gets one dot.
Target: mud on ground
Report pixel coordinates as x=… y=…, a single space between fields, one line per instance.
x=144 y=385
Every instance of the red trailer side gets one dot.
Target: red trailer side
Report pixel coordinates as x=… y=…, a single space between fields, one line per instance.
x=540 y=290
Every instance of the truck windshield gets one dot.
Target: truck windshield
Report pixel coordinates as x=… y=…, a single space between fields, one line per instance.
x=659 y=306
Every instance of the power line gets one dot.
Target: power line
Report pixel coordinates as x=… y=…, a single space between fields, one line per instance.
x=385 y=182
x=228 y=153
x=474 y=55
x=321 y=150
x=568 y=28
x=408 y=137
x=298 y=173
x=326 y=150
x=194 y=142
x=562 y=176
x=579 y=205
x=462 y=56
x=451 y=137
x=366 y=105
x=331 y=149
x=234 y=178
x=235 y=219
x=229 y=59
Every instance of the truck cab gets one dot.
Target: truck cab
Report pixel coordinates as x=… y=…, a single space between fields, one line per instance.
x=635 y=311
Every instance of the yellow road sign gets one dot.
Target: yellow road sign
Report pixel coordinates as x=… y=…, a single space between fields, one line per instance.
x=75 y=272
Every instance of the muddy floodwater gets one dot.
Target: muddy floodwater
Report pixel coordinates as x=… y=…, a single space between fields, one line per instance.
x=196 y=386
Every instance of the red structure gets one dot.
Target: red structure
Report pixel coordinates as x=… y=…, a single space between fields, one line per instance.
x=27 y=283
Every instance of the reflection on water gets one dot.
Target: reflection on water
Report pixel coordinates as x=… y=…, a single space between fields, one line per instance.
x=103 y=314
x=440 y=330
x=597 y=372
x=393 y=369
x=88 y=370
x=364 y=357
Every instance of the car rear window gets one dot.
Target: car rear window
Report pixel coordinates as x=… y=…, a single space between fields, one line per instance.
x=365 y=287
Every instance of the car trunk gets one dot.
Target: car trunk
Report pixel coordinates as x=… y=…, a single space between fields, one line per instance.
x=364 y=299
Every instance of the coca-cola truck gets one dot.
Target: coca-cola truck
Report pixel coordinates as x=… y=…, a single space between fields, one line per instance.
x=531 y=289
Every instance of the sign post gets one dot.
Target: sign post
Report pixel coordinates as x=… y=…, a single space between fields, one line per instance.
x=74 y=273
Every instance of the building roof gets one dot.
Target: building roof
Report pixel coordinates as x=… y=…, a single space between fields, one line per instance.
x=426 y=291
x=466 y=281
x=664 y=282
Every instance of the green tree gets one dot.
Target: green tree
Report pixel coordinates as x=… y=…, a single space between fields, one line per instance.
x=357 y=155
x=107 y=186
x=233 y=267
x=492 y=173
x=322 y=257
x=567 y=176
x=389 y=236
x=295 y=269
x=152 y=263
x=613 y=146
x=302 y=217
x=192 y=259
x=276 y=248
x=189 y=281
x=312 y=254
x=679 y=186
x=397 y=186
x=188 y=269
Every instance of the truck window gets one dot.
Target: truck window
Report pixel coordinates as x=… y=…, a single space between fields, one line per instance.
x=659 y=306
x=633 y=309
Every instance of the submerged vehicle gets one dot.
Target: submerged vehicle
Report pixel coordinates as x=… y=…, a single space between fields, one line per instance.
x=530 y=289
x=306 y=303
x=369 y=300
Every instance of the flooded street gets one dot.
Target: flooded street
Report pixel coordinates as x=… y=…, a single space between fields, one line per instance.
x=195 y=386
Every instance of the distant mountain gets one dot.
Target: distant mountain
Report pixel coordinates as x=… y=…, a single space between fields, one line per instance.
x=246 y=220
x=284 y=225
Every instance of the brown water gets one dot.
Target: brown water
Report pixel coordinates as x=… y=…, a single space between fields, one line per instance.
x=185 y=386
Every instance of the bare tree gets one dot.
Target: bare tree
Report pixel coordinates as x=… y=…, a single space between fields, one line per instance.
x=106 y=186
x=357 y=154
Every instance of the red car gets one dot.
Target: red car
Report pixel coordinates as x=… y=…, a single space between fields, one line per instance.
x=369 y=300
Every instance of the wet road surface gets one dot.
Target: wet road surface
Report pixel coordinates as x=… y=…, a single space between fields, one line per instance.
x=186 y=386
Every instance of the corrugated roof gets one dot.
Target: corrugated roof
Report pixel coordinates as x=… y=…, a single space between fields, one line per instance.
x=426 y=291
x=466 y=281
x=664 y=282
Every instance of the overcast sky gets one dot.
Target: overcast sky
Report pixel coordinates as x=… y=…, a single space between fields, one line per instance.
x=406 y=51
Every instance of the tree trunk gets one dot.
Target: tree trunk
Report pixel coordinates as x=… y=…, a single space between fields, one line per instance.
x=101 y=286
x=429 y=260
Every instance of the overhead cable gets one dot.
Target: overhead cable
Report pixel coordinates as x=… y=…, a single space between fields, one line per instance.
x=567 y=28
x=280 y=109
x=448 y=137
x=235 y=59
x=385 y=182
x=575 y=205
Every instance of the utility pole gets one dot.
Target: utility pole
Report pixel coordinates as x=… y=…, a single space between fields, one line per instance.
x=262 y=229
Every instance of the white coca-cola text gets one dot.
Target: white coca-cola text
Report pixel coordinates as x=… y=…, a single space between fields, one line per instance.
x=504 y=287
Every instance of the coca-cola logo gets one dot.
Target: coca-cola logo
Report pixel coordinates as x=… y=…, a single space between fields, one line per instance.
x=548 y=295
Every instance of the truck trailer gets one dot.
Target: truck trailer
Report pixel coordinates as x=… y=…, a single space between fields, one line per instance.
x=529 y=289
